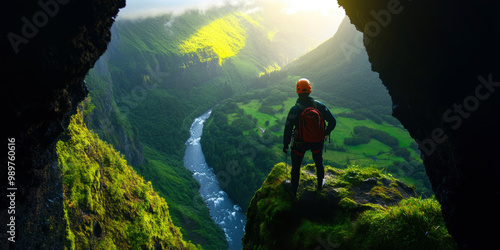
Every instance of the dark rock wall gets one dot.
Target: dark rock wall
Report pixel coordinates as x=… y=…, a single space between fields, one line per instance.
x=440 y=62
x=48 y=47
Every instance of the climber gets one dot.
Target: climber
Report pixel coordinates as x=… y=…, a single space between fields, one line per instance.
x=306 y=123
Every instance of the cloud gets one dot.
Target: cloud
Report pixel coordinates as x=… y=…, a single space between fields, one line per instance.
x=326 y=7
x=327 y=12
x=145 y=8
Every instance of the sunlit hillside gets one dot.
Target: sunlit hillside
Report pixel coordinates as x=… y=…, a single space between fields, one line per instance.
x=222 y=39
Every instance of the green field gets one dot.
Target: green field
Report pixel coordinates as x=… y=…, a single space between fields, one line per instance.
x=359 y=155
x=235 y=129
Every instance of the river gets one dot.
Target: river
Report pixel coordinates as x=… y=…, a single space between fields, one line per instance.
x=223 y=211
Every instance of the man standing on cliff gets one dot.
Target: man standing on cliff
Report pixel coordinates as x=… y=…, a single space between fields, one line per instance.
x=306 y=123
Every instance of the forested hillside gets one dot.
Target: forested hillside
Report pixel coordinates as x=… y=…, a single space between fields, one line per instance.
x=160 y=72
x=245 y=132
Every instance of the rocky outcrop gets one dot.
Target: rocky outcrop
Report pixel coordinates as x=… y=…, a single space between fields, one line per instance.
x=358 y=208
x=47 y=49
x=439 y=62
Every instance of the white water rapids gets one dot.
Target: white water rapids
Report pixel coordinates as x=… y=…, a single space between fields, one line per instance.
x=223 y=211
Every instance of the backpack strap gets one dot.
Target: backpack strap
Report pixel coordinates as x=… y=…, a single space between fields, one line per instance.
x=300 y=106
x=315 y=105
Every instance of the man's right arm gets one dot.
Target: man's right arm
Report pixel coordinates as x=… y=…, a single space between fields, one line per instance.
x=287 y=133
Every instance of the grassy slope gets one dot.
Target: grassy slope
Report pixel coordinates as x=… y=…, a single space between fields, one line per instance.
x=106 y=204
x=222 y=39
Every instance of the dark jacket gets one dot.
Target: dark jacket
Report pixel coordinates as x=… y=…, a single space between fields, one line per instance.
x=292 y=120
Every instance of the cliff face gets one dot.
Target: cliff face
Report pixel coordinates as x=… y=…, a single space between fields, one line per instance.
x=47 y=49
x=104 y=118
x=439 y=61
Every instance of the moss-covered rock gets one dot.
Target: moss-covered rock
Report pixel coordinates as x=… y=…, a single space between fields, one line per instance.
x=351 y=212
x=107 y=205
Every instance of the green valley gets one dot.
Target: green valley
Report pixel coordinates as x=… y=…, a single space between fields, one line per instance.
x=161 y=72
x=249 y=127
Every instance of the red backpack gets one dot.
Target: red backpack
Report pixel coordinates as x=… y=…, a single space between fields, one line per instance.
x=311 y=124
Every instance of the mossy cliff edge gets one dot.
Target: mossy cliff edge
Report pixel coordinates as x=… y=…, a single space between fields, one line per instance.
x=107 y=205
x=358 y=208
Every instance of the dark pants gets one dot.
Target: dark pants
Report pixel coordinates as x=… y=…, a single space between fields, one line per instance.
x=298 y=152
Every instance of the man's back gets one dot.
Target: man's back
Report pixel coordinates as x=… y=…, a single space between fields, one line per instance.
x=292 y=120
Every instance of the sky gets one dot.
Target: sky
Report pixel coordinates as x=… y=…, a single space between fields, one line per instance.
x=147 y=8
x=142 y=8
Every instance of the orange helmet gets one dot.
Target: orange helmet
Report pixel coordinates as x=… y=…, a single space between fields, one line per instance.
x=303 y=86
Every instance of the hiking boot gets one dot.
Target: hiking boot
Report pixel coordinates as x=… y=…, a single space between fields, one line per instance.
x=321 y=184
x=288 y=188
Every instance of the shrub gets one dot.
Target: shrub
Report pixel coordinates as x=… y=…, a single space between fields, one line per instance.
x=267 y=110
x=412 y=224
